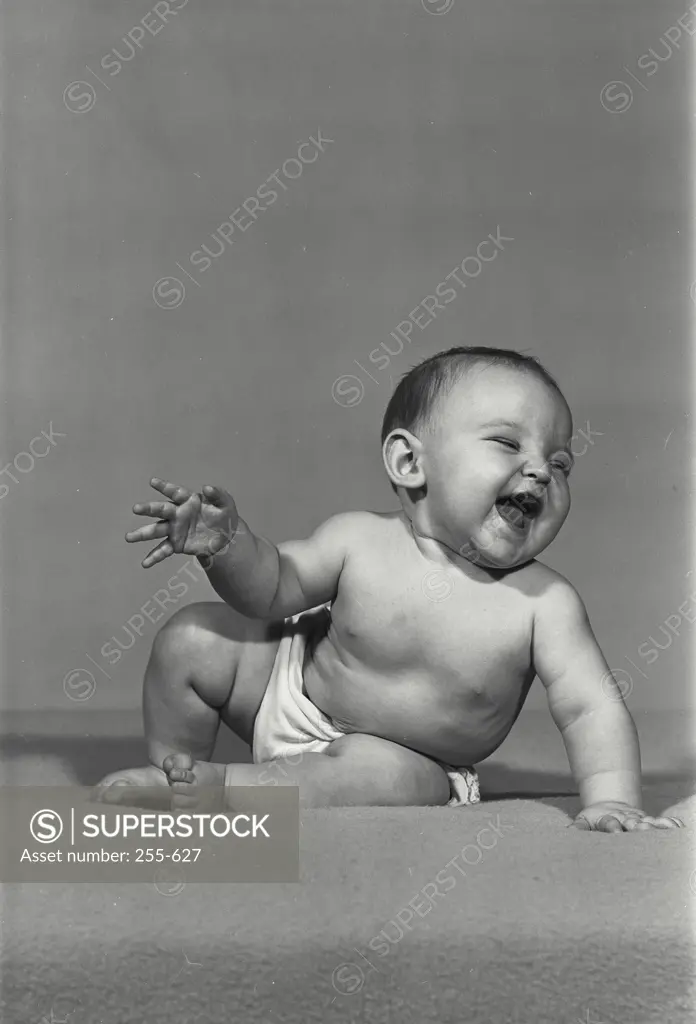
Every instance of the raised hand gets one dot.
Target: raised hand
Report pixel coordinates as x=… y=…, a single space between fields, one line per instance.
x=188 y=523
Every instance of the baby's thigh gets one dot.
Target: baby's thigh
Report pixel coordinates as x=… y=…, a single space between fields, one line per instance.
x=256 y=654
x=389 y=775
x=228 y=659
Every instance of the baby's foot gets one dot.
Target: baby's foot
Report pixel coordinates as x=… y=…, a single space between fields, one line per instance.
x=137 y=787
x=195 y=783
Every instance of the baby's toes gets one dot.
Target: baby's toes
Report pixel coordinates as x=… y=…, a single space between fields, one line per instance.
x=185 y=797
x=179 y=768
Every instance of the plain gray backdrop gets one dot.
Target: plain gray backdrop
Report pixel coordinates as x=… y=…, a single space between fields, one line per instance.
x=444 y=128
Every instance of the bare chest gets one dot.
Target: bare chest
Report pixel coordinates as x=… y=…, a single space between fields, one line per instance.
x=410 y=619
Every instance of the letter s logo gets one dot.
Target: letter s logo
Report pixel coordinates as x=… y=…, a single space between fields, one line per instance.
x=46 y=826
x=79 y=97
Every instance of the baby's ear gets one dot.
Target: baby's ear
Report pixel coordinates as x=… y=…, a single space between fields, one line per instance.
x=402 y=457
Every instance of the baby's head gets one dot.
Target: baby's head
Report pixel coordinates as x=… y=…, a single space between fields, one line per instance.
x=475 y=442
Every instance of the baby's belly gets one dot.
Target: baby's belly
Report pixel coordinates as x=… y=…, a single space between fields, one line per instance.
x=458 y=718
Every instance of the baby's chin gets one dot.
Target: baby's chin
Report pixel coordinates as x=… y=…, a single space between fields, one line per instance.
x=492 y=560
x=501 y=552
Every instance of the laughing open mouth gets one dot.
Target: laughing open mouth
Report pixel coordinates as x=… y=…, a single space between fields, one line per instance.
x=520 y=509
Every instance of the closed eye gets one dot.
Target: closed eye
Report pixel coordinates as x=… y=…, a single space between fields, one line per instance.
x=562 y=463
x=513 y=445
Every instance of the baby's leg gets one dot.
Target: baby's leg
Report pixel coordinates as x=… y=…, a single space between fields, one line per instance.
x=356 y=770
x=208 y=664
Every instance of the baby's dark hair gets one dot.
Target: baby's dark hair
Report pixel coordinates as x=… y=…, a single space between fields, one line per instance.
x=412 y=406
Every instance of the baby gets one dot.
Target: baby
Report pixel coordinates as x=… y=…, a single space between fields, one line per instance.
x=378 y=661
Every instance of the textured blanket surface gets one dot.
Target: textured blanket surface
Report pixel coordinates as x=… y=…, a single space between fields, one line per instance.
x=540 y=923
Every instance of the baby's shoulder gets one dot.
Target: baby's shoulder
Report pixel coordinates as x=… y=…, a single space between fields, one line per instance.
x=358 y=527
x=554 y=601
x=541 y=584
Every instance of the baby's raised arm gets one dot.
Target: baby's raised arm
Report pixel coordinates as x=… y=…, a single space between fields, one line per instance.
x=587 y=706
x=254 y=576
x=268 y=581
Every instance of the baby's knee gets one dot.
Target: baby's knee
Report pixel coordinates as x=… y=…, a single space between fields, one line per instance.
x=190 y=629
x=421 y=782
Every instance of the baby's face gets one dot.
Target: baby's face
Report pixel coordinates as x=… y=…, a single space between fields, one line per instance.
x=497 y=465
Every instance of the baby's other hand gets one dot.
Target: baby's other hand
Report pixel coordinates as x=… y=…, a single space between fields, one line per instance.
x=190 y=523
x=619 y=817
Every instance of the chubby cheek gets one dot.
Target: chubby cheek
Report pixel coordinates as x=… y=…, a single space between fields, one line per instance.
x=462 y=493
x=558 y=511
x=564 y=499
x=479 y=489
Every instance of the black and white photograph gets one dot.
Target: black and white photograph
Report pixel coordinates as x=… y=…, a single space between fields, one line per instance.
x=346 y=512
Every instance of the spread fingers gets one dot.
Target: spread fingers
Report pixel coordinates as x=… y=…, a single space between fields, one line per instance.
x=174 y=492
x=153 y=531
x=156 y=509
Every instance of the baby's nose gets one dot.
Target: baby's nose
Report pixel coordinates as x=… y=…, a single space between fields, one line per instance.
x=539 y=471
